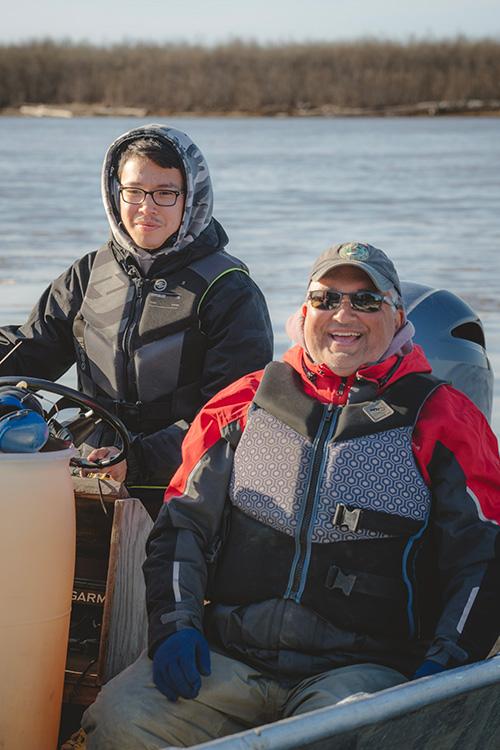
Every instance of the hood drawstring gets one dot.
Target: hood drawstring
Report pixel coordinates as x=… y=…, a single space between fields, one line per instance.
x=402 y=343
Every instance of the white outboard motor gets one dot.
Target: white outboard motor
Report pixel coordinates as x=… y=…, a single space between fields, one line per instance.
x=452 y=337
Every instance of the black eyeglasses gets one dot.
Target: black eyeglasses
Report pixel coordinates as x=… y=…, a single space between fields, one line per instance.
x=363 y=301
x=136 y=196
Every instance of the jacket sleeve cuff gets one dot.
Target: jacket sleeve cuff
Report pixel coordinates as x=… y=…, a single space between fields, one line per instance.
x=163 y=626
x=446 y=653
x=135 y=469
x=427 y=668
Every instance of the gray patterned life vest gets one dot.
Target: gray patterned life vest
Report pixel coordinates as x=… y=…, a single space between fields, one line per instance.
x=140 y=349
x=327 y=504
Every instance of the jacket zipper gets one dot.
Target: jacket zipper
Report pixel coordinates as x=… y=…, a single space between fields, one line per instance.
x=131 y=326
x=324 y=432
x=341 y=388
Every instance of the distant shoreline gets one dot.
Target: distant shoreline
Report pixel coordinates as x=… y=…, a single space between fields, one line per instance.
x=367 y=78
x=471 y=107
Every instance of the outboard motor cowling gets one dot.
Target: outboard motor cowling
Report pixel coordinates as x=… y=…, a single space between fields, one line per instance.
x=452 y=337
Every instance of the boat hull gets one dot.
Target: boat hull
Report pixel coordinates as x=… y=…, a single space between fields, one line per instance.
x=454 y=709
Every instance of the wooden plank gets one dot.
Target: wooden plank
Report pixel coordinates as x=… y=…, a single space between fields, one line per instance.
x=105 y=648
x=495 y=649
x=124 y=627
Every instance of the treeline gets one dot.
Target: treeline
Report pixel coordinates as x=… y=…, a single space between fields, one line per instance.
x=248 y=77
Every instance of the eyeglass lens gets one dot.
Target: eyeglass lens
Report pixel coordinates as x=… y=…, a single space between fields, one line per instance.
x=363 y=301
x=160 y=197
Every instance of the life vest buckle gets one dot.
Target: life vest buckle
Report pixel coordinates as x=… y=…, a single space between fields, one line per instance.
x=348 y=520
x=337 y=579
x=213 y=552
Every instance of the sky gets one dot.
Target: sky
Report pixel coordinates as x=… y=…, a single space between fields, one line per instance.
x=214 y=21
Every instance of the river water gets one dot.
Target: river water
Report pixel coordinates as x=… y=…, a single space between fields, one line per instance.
x=426 y=190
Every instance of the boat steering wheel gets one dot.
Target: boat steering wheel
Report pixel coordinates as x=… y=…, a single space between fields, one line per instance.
x=94 y=413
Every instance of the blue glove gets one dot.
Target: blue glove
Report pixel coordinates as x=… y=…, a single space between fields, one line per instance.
x=179 y=663
x=427 y=668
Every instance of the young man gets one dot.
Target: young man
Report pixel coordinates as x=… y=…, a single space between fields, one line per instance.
x=157 y=320
x=339 y=510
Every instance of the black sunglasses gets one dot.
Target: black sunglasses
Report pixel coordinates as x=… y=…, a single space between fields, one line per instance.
x=363 y=301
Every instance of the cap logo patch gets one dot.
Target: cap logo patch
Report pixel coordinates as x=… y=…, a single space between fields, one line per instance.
x=378 y=410
x=353 y=251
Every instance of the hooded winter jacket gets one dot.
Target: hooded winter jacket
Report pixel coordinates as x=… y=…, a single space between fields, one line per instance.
x=333 y=521
x=154 y=336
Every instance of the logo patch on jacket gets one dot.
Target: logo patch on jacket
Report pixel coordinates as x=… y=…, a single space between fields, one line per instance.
x=160 y=285
x=378 y=410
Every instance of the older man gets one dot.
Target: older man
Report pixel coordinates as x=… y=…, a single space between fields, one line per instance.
x=339 y=510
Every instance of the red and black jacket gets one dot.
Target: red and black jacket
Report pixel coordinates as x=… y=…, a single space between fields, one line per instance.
x=367 y=535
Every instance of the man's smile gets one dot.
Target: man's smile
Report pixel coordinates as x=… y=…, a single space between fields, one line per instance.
x=345 y=338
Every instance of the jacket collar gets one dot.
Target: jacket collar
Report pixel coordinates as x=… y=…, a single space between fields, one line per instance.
x=212 y=239
x=321 y=383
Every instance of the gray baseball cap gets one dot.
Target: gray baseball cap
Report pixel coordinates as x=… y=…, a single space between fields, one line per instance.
x=371 y=260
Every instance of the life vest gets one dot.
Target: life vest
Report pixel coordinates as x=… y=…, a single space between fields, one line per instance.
x=140 y=348
x=327 y=505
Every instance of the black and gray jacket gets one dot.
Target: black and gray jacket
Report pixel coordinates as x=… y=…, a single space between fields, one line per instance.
x=150 y=345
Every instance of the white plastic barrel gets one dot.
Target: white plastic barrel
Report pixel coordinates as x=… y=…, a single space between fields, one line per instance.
x=37 y=557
